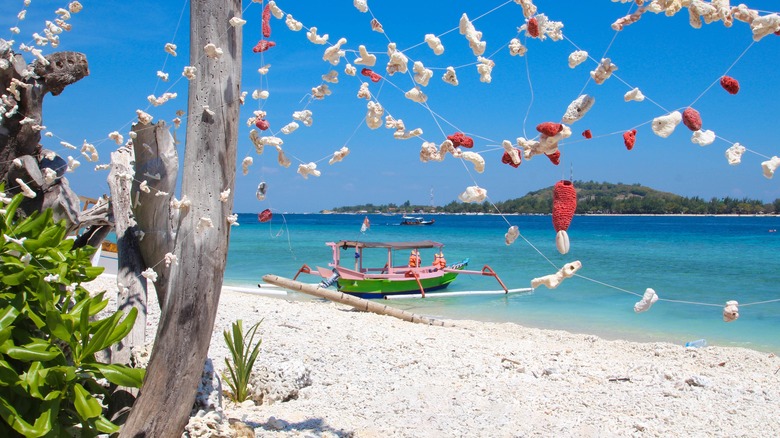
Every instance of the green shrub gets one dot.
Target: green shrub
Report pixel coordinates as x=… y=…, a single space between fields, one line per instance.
x=50 y=381
x=244 y=355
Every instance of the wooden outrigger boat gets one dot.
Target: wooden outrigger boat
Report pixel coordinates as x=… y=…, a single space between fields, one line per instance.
x=392 y=279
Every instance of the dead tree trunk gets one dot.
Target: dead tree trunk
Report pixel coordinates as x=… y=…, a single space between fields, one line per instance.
x=189 y=309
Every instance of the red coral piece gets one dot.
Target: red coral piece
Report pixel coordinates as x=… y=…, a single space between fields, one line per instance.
x=507 y=159
x=549 y=129
x=629 y=139
x=692 y=119
x=564 y=204
x=265 y=215
x=555 y=157
x=461 y=139
x=262 y=124
x=533 y=27
x=729 y=84
x=267 y=21
x=370 y=73
x=263 y=45
x=586 y=133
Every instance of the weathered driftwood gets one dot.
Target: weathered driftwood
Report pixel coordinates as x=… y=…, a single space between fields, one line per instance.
x=156 y=163
x=21 y=140
x=131 y=284
x=189 y=310
x=350 y=300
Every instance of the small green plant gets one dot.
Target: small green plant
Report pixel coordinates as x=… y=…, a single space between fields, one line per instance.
x=49 y=376
x=244 y=353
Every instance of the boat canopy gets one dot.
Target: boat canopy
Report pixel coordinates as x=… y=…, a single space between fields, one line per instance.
x=344 y=244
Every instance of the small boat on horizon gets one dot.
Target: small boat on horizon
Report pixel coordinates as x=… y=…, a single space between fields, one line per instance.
x=416 y=220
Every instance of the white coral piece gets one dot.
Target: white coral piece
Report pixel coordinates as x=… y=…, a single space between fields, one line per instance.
x=664 y=126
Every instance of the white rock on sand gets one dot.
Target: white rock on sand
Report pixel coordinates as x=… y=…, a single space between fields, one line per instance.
x=366 y=375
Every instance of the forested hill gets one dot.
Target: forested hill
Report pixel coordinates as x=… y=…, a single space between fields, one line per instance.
x=594 y=198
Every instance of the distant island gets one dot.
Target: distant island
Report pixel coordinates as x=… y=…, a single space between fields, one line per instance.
x=592 y=198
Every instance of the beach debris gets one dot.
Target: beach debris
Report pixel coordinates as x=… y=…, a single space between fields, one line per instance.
x=485 y=68
x=629 y=139
x=729 y=84
x=428 y=152
x=365 y=58
x=516 y=48
x=143 y=117
x=511 y=154
x=474 y=37
x=587 y=134
x=564 y=206
x=149 y=274
x=170 y=49
x=549 y=128
x=434 y=43
x=603 y=71
x=281 y=158
x=555 y=157
x=224 y=195
x=398 y=62
x=361 y=5
x=371 y=75
x=734 y=154
x=261 y=190
x=422 y=75
x=275 y=11
x=577 y=57
x=212 y=51
x=263 y=45
x=511 y=235
x=376 y=26
x=245 y=163
x=350 y=70
x=308 y=169
x=262 y=124
x=473 y=194
x=293 y=24
x=731 y=311
x=770 y=166
x=765 y=25
x=116 y=136
x=314 y=38
x=237 y=21
x=624 y=21
x=204 y=223
x=635 y=95
x=333 y=54
x=332 y=77
x=450 y=77
x=232 y=219
x=27 y=192
x=461 y=139
x=663 y=126
x=374 y=115
x=339 y=155
x=319 y=92
x=691 y=119
x=532 y=27
x=363 y=92
x=416 y=95
x=475 y=159
x=578 y=108
x=554 y=280
x=171 y=258
x=189 y=72
x=265 y=215
x=304 y=116
x=648 y=299
x=703 y=138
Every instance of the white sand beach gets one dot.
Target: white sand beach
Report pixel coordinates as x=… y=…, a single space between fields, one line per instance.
x=350 y=373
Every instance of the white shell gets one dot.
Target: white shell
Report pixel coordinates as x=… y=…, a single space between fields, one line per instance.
x=562 y=241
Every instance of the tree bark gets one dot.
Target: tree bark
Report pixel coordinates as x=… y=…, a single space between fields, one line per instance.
x=189 y=309
x=131 y=284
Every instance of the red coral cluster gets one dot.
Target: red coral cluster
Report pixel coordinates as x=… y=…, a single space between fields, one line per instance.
x=586 y=133
x=729 y=84
x=533 y=27
x=461 y=139
x=265 y=215
x=692 y=119
x=262 y=124
x=267 y=21
x=507 y=159
x=549 y=129
x=263 y=45
x=370 y=74
x=629 y=139
x=555 y=157
x=564 y=204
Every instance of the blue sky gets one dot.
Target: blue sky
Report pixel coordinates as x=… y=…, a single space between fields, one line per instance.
x=672 y=63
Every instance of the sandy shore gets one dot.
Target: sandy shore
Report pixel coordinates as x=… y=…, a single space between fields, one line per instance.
x=350 y=373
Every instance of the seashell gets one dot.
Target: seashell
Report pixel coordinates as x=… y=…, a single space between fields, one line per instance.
x=562 y=241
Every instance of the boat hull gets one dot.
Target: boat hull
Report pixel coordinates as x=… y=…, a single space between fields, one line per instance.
x=380 y=287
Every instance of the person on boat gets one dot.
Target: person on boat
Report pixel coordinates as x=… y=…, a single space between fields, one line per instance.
x=439 y=261
x=414 y=259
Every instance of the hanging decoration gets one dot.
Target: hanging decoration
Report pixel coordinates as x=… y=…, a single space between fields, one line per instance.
x=564 y=206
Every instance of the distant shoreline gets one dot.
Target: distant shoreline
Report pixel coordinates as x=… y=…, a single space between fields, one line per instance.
x=325 y=212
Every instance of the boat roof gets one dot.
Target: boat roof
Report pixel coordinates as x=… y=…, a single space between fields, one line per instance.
x=393 y=245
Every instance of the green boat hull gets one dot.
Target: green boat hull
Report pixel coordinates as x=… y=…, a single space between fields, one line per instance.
x=379 y=288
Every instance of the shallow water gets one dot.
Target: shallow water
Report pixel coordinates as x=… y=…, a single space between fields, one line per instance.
x=703 y=260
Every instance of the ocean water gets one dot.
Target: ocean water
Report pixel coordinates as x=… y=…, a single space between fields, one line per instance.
x=702 y=262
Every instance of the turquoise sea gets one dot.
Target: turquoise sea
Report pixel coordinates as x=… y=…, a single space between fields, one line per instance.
x=702 y=261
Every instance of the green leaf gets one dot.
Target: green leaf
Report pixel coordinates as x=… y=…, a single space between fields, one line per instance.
x=103 y=425
x=86 y=405
x=17 y=278
x=35 y=351
x=121 y=375
x=41 y=427
x=56 y=325
x=8 y=316
x=123 y=328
